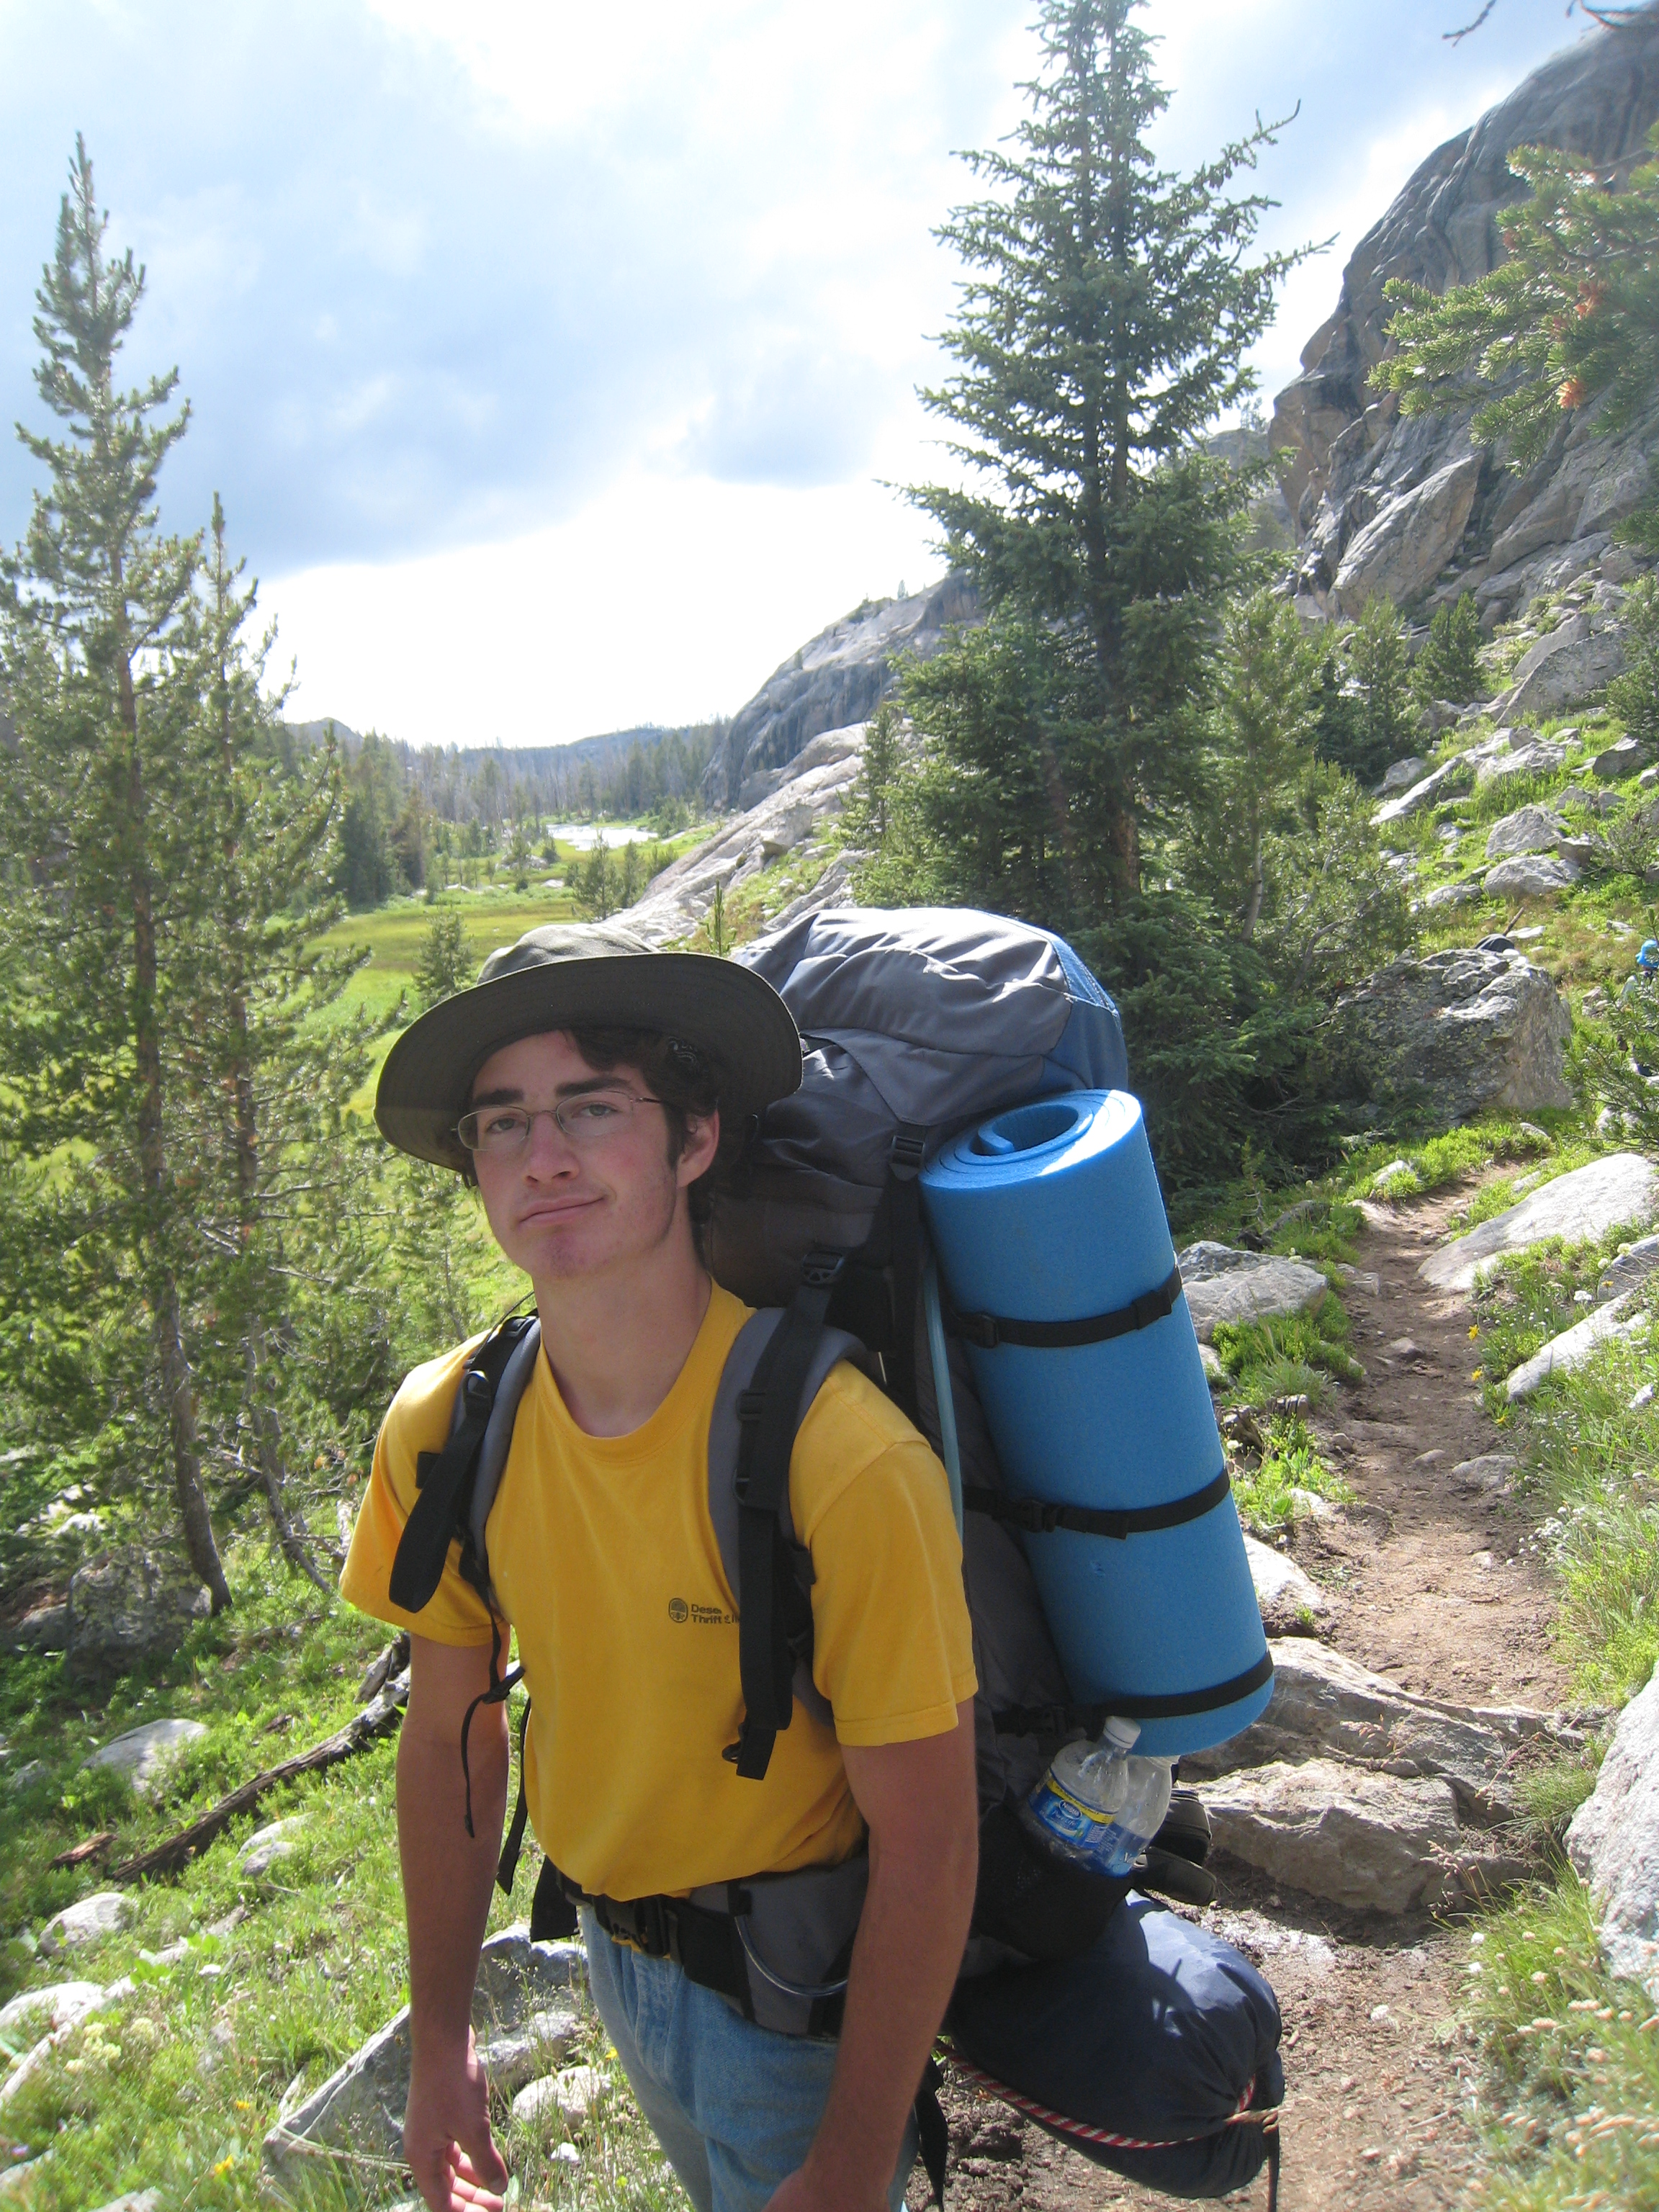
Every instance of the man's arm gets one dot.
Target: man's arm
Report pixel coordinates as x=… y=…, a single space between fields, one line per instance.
x=446 y=1883
x=921 y=1802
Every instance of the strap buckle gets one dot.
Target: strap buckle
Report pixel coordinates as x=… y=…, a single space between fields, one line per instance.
x=980 y=1330
x=642 y=1920
x=904 y=1162
x=476 y=1391
x=819 y=1270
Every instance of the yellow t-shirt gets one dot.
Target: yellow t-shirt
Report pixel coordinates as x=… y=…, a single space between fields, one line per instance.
x=605 y=1559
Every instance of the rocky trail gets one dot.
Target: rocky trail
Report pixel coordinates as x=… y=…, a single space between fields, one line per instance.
x=1429 y=1586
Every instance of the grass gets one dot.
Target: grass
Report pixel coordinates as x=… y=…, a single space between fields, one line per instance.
x=1293 y=1355
x=1571 y=2107
x=1266 y=1495
x=177 y=2084
x=1524 y=1299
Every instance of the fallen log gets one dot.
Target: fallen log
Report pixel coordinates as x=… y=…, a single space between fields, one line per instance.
x=378 y=1718
x=78 y=1854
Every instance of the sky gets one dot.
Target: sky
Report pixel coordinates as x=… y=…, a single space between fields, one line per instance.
x=556 y=364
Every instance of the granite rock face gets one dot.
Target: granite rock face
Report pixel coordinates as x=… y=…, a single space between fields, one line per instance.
x=1374 y=1842
x=1471 y=1029
x=838 y=678
x=1382 y=502
x=1613 y=1841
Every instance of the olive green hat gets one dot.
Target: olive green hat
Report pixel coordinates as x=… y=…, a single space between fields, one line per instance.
x=560 y=977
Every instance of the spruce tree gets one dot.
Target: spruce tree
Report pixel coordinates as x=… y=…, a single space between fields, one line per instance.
x=445 y=963
x=1263 y=724
x=100 y=799
x=1449 y=666
x=1105 y=325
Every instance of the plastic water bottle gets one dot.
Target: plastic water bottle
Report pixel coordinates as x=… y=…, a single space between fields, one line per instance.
x=1073 y=1809
x=1138 y=1816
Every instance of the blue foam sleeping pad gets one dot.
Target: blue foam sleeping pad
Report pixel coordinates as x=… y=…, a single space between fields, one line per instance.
x=1155 y=2032
x=1052 y=1211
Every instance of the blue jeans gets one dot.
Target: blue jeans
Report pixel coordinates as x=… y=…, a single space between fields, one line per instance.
x=734 y=2106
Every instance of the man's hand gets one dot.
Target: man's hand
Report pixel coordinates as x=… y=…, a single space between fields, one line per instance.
x=447 y=2145
x=447 y=1876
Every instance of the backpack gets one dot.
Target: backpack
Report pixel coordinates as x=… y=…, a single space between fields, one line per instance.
x=914 y=1024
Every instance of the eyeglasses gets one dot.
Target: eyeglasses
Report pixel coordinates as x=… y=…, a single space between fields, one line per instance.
x=591 y=1117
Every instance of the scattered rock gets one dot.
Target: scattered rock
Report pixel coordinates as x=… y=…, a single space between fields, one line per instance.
x=26 y=1776
x=1491 y=1472
x=143 y=1751
x=1360 y=1279
x=1326 y=1706
x=1571 y=1349
x=137 y=2200
x=522 y=2017
x=1532 y=875
x=1222 y=1285
x=1464 y=893
x=45 y=1629
x=1629 y=1270
x=1569 y=665
x=1472 y=1029
x=1613 y=1841
x=1397 y=1171
x=1215 y=1374
x=574 y=2092
x=1624 y=1186
x=1400 y=776
x=1374 y=1842
x=1528 y=829
x=126 y=1606
x=39 y=2012
x=1537 y=757
x=1452 y=775
x=1624 y=757
x=77 y=1927
x=1287 y=1595
x=266 y=1845
x=1403 y=1348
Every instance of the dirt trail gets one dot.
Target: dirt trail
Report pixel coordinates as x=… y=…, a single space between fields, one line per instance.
x=1431 y=1589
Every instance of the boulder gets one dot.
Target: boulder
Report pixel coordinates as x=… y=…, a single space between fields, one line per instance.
x=1622 y=1187
x=1538 y=757
x=266 y=1845
x=1224 y=1286
x=1624 y=757
x=1374 y=1842
x=1532 y=875
x=1465 y=894
x=1528 y=829
x=43 y=1629
x=1629 y=1270
x=523 y=2018
x=1473 y=1030
x=1573 y=1348
x=1444 y=782
x=1287 y=1595
x=1400 y=776
x=143 y=1751
x=1570 y=665
x=1491 y=1473
x=79 y=1926
x=1400 y=553
x=129 y=1605
x=1613 y=1841
x=1617 y=490
x=39 y=2012
x=1325 y=1706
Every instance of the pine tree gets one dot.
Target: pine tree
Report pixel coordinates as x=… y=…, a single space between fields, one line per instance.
x=94 y=601
x=866 y=818
x=1449 y=666
x=596 y=882
x=1263 y=722
x=1105 y=325
x=445 y=963
x=1635 y=695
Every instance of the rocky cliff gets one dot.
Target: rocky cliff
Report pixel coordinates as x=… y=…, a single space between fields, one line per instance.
x=1412 y=507
x=836 y=679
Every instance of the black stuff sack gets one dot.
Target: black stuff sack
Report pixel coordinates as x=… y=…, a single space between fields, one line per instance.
x=1155 y=2052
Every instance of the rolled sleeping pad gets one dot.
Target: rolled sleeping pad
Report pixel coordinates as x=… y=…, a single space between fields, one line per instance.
x=1050 y=1216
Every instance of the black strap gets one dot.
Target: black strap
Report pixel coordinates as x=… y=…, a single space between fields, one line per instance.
x=904 y=1164
x=439 y=1512
x=770 y=1599
x=704 y=1944
x=932 y=2135
x=500 y=1687
x=507 y=1865
x=986 y=1330
x=1037 y=1516
x=1062 y=1720
x=1271 y=2123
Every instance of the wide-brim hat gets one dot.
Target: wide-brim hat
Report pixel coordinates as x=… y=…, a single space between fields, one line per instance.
x=561 y=977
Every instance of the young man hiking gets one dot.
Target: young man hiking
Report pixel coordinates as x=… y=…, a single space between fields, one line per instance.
x=583 y=1082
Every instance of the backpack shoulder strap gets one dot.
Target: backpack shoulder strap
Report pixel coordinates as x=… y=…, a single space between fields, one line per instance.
x=441 y=1511
x=773 y=1374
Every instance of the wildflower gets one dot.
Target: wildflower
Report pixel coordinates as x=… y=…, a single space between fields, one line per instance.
x=1475 y=1332
x=224 y=2165
x=1478 y=1373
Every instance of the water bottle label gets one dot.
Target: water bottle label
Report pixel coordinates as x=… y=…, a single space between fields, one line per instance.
x=1064 y=1817
x=1119 y=1847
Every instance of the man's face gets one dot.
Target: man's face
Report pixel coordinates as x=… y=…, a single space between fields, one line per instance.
x=559 y=1209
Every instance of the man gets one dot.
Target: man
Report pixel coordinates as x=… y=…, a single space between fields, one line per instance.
x=582 y=1082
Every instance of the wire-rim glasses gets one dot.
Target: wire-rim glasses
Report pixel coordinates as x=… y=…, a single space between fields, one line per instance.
x=591 y=1117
